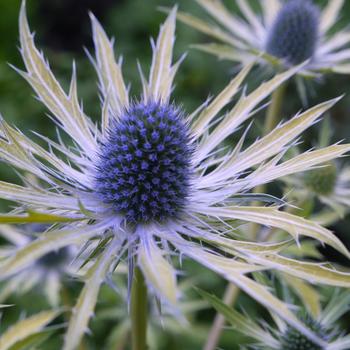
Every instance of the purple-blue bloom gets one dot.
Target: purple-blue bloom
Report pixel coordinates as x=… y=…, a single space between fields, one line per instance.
x=294 y=33
x=143 y=169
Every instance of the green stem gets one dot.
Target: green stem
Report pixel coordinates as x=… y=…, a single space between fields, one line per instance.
x=273 y=115
x=139 y=311
x=229 y=299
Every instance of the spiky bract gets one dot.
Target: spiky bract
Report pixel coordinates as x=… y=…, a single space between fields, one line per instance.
x=280 y=33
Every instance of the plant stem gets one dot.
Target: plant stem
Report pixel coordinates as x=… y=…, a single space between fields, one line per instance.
x=273 y=115
x=230 y=297
x=139 y=310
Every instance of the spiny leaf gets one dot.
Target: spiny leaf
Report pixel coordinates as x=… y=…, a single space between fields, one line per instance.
x=160 y=74
x=48 y=89
x=240 y=322
x=242 y=111
x=292 y=224
x=309 y=295
x=109 y=71
x=157 y=270
x=225 y=96
x=256 y=197
x=252 y=288
x=35 y=217
x=273 y=143
x=88 y=297
x=25 y=328
x=49 y=241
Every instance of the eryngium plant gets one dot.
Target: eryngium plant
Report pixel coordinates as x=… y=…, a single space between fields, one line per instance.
x=285 y=32
x=29 y=328
x=151 y=182
x=47 y=274
x=321 y=319
x=294 y=32
x=329 y=184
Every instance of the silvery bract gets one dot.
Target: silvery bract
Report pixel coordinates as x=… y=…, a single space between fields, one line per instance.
x=46 y=274
x=322 y=318
x=328 y=183
x=32 y=326
x=283 y=32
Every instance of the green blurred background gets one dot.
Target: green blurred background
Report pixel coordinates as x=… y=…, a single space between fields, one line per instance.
x=62 y=30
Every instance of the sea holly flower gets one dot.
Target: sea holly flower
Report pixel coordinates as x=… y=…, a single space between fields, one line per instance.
x=46 y=274
x=328 y=183
x=294 y=32
x=280 y=336
x=152 y=182
x=283 y=33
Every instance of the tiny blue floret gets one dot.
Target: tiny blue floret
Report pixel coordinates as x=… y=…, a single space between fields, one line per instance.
x=143 y=170
x=294 y=33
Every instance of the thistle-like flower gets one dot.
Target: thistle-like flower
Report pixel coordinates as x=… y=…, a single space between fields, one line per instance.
x=280 y=336
x=292 y=339
x=47 y=274
x=152 y=182
x=328 y=184
x=294 y=32
x=286 y=32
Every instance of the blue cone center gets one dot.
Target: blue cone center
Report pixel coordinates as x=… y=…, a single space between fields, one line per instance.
x=294 y=33
x=143 y=170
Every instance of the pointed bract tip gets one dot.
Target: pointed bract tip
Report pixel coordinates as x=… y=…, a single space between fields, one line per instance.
x=172 y=14
x=334 y=100
x=93 y=18
x=23 y=10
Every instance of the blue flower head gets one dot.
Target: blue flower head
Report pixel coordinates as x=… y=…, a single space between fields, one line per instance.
x=144 y=165
x=294 y=33
x=294 y=340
